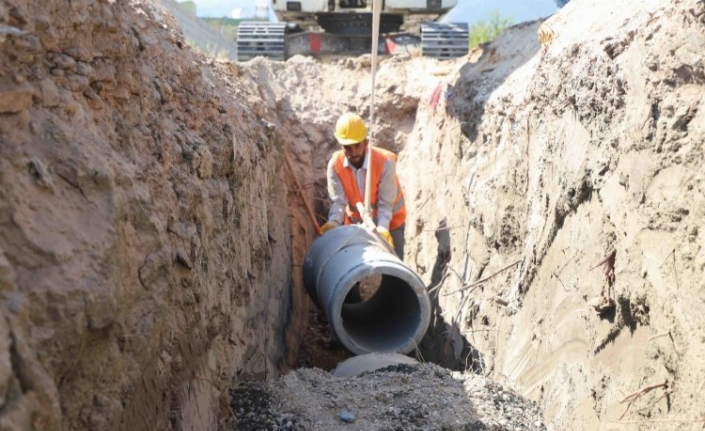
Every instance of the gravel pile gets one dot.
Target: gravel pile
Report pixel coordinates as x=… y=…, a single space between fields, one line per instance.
x=401 y=398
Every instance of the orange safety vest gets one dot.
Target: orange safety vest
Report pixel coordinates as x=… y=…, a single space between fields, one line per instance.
x=380 y=157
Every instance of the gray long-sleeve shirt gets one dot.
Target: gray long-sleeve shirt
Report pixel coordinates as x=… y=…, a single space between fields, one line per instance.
x=386 y=190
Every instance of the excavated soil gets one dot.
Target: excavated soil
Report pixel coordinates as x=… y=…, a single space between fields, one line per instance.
x=396 y=398
x=152 y=239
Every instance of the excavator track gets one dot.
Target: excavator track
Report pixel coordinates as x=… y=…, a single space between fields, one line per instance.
x=265 y=39
x=274 y=41
x=443 y=41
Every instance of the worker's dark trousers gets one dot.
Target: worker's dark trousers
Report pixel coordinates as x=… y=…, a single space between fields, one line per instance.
x=398 y=238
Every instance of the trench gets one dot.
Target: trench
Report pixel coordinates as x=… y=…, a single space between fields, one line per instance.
x=316 y=344
x=372 y=305
x=152 y=244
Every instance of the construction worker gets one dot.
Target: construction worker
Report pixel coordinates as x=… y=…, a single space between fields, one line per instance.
x=347 y=173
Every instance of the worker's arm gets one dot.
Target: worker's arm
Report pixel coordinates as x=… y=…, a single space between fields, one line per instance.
x=339 y=200
x=387 y=192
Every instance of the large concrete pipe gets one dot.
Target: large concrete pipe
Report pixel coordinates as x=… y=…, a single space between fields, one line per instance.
x=393 y=319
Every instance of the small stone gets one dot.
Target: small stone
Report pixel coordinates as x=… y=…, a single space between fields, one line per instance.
x=65 y=62
x=84 y=69
x=79 y=54
x=40 y=174
x=7 y=275
x=49 y=92
x=93 y=99
x=104 y=71
x=121 y=94
x=42 y=22
x=78 y=83
x=15 y=99
x=347 y=416
x=27 y=48
x=6 y=30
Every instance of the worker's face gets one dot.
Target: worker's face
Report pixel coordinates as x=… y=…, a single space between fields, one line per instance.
x=355 y=153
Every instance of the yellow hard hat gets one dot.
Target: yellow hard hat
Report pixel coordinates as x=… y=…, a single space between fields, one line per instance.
x=350 y=129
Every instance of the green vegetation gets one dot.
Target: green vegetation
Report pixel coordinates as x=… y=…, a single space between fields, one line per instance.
x=208 y=50
x=227 y=26
x=486 y=31
x=189 y=6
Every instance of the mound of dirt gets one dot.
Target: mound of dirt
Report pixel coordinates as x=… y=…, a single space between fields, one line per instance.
x=403 y=397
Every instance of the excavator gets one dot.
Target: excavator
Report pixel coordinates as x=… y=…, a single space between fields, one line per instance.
x=344 y=27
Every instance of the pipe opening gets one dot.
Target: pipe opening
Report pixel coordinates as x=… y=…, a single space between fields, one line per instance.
x=387 y=316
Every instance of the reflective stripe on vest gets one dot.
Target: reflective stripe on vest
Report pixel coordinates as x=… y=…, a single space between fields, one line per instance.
x=380 y=157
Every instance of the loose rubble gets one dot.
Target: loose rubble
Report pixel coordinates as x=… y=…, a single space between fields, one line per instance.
x=426 y=397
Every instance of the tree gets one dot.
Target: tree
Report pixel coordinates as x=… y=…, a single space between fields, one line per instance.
x=482 y=31
x=189 y=6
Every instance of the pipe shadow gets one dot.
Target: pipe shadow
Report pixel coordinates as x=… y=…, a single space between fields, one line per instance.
x=443 y=343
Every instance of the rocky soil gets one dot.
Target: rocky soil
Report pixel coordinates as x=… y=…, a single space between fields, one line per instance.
x=396 y=398
x=151 y=239
x=144 y=257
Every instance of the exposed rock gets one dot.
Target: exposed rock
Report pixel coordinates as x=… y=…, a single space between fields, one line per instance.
x=15 y=98
x=49 y=93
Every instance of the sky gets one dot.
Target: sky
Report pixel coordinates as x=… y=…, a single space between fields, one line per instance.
x=224 y=8
x=469 y=11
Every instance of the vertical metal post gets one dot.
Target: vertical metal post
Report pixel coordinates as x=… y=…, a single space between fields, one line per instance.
x=376 y=12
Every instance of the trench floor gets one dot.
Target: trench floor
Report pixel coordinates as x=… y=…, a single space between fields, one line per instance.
x=320 y=348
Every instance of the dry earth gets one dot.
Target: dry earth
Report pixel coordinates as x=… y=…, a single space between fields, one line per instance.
x=395 y=398
x=151 y=240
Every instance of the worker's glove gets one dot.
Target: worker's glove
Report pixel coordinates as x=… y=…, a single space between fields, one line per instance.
x=386 y=235
x=328 y=226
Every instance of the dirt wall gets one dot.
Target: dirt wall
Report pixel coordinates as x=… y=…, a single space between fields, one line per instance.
x=544 y=160
x=144 y=265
